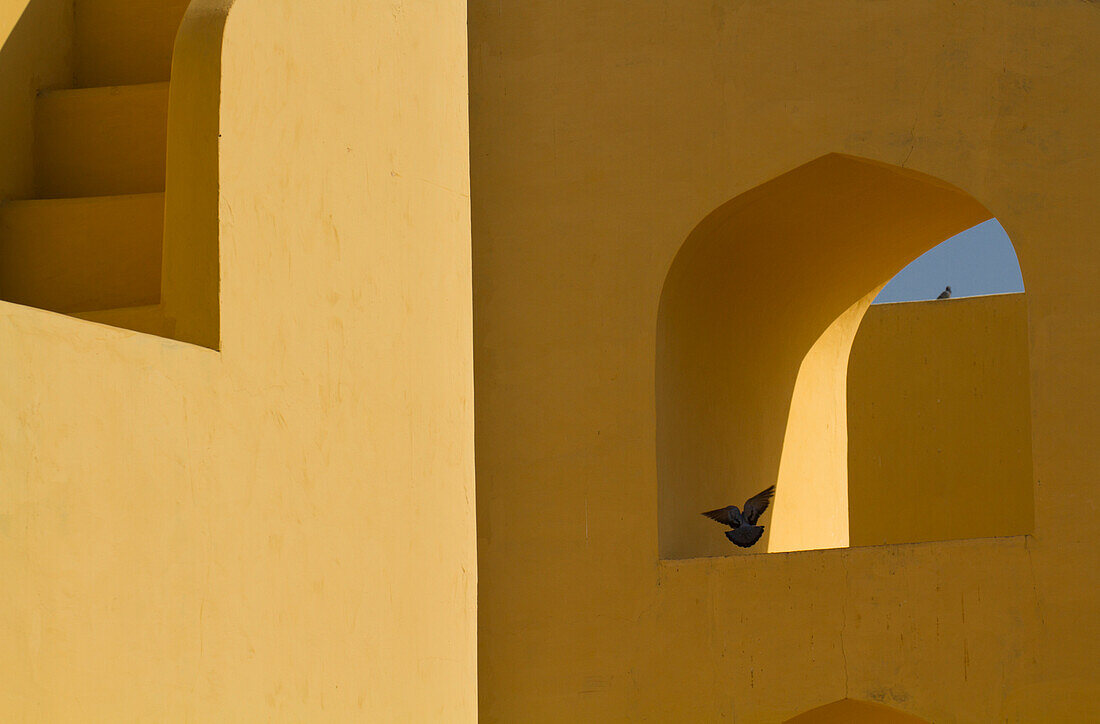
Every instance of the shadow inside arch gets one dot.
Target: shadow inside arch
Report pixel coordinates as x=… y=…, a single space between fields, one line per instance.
x=756 y=321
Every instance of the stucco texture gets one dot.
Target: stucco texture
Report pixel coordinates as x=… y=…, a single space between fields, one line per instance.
x=281 y=529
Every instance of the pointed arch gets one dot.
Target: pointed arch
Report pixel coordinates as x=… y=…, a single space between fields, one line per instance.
x=853 y=711
x=756 y=321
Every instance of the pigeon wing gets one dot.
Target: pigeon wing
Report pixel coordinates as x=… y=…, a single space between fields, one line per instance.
x=757 y=504
x=729 y=515
x=745 y=536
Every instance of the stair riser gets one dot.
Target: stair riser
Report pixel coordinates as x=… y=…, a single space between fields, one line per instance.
x=101 y=141
x=74 y=255
x=124 y=42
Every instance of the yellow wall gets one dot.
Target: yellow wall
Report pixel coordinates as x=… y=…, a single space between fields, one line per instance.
x=939 y=428
x=850 y=711
x=53 y=252
x=101 y=141
x=281 y=530
x=103 y=57
x=35 y=52
x=810 y=509
x=603 y=133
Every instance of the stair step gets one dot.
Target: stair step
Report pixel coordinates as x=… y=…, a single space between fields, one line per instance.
x=76 y=255
x=124 y=42
x=101 y=141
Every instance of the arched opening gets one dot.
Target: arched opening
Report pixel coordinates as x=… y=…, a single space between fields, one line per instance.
x=757 y=318
x=852 y=711
x=939 y=440
x=979 y=261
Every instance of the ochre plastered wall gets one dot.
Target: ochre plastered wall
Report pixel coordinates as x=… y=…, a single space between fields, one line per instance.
x=939 y=429
x=35 y=53
x=602 y=134
x=851 y=711
x=190 y=271
x=812 y=511
x=282 y=530
x=104 y=57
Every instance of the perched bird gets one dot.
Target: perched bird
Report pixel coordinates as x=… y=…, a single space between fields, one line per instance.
x=945 y=294
x=744 y=531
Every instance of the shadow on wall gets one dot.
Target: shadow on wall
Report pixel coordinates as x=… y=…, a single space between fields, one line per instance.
x=109 y=186
x=757 y=318
x=35 y=53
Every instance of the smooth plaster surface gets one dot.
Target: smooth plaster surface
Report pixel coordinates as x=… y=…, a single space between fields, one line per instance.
x=939 y=426
x=101 y=141
x=124 y=42
x=281 y=530
x=602 y=134
x=851 y=711
x=82 y=254
x=35 y=53
x=284 y=529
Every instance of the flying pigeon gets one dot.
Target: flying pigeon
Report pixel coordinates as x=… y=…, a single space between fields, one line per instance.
x=945 y=294
x=745 y=532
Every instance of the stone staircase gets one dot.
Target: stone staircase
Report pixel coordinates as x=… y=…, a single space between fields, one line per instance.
x=89 y=241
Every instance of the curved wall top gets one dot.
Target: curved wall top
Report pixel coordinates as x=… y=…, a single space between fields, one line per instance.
x=190 y=274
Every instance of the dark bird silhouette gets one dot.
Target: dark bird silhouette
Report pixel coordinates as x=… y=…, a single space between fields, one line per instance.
x=744 y=530
x=945 y=294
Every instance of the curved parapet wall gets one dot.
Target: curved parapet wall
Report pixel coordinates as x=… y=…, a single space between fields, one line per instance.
x=939 y=422
x=191 y=261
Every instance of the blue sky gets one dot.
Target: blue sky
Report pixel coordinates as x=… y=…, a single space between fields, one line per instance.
x=978 y=261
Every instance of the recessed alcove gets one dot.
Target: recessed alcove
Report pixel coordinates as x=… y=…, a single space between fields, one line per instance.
x=756 y=325
x=109 y=191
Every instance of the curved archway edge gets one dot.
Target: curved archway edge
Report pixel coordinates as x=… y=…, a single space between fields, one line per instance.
x=853 y=711
x=756 y=321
